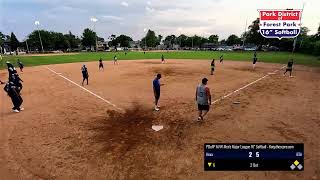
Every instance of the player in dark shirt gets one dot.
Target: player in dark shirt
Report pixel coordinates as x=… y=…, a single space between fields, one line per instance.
x=17 y=81
x=255 y=59
x=85 y=74
x=101 y=65
x=212 y=66
x=20 y=64
x=221 y=59
x=156 y=91
x=11 y=70
x=289 y=67
x=16 y=98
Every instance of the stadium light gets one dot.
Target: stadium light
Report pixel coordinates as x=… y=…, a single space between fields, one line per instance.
x=94 y=20
x=37 y=23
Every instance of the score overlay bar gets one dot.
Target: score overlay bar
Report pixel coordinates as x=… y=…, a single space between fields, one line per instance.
x=253 y=157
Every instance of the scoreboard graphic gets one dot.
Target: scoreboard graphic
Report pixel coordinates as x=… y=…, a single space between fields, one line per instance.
x=254 y=157
x=280 y=23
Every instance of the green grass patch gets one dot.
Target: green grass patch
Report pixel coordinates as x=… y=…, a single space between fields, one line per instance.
x=269 y=57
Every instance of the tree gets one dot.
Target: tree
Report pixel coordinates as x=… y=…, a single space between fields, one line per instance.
x=2 y=40
x=233 y=39
x=88 y=38
x=214 y=39
x=14 y=43
x=73 y=42
x=151 y=39
x=196 y=41
x=34 y=41
x=112 y=41
x=253 y=35
x=123 y=40
x=159 y=39
x=183 y=40
x=170 y=40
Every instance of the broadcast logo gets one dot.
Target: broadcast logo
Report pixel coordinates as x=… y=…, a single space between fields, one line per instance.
x=280 y=23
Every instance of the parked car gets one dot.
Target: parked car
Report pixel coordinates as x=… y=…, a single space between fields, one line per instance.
x=250 y=49
x=220 y=49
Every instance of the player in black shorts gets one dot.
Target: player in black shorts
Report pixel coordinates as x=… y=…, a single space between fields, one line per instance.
x=255 y=59
x=289 y=67
x=221 y=59
x=101 y=65
x=212 y=66
x=162 y=59
x=85 y=74
x=20 y=64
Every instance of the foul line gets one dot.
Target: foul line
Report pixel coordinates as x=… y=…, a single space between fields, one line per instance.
x=223 y=97
x=92 y=93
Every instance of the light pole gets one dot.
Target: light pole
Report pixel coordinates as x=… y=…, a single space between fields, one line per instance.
x=145 y=39
x=37 y=23
x=180 y=30
x=27 y=46
x=94 y=20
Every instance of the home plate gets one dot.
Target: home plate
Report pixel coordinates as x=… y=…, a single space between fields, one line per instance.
x=271 y=73
x=157 y=128
x=236 y=102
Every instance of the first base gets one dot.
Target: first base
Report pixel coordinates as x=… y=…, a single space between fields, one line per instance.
x=157 y=128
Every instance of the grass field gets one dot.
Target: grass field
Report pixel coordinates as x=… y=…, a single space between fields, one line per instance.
x=270 y=57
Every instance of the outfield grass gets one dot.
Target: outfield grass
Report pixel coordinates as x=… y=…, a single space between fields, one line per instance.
x=269 y=57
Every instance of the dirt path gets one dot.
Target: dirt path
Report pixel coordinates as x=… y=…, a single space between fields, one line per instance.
x=67 y=133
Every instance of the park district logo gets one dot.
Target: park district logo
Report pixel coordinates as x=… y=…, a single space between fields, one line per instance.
x=280 y=23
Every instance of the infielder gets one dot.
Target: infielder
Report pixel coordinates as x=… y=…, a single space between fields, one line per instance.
x=203 y=98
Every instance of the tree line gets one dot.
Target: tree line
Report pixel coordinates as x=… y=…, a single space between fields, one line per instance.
x=67 y=42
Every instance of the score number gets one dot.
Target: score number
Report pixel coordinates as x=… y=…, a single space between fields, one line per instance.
x=256 y=154
x=251 y=155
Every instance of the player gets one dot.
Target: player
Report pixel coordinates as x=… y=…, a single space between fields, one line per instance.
x=203 y=98
x=289 y=67
x=85 y=74
x=101 y=65
x=16 y=98
x=255 y=59
x=11 y=70
x=162 y=59
x=156 y=91
x=20 y=64
x=212 y=66
x=115 y=60
x=17 y=82
x=221 y=59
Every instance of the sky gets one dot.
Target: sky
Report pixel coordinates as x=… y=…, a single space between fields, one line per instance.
x=131 y=17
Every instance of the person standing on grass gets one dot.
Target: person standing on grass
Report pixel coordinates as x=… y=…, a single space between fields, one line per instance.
x=212 y=66
x=289 y=67
x=221 y=59
x=162 y=59
x=203 y=98
x=12 y=91
x=115 y=60
x=255 y=59
x=85 y=74
x=101 y=65
x=156 y=91
x=20 y=64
